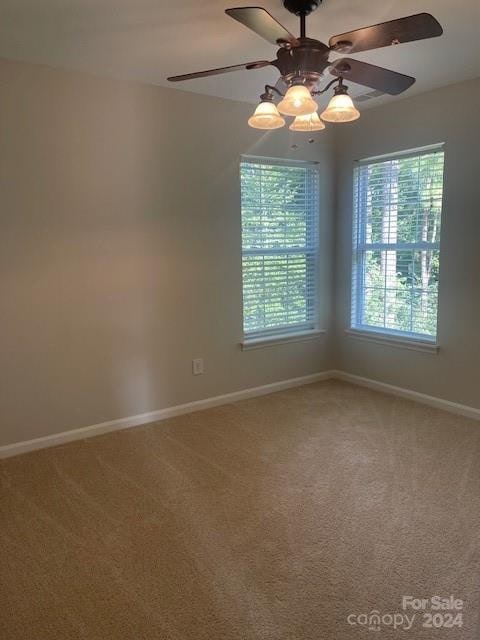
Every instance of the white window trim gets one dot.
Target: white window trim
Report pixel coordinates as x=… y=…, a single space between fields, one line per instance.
x=406 y=153
x=401 y=341
x=415 y=342
x=249 y=343
x=295 y=333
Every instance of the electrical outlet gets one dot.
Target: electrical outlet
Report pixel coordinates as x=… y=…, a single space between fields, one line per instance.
x=197 y=366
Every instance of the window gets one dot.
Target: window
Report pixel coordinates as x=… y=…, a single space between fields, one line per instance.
x=396 y=250
x=279 y=246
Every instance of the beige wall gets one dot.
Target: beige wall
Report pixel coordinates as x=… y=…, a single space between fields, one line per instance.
x=448 y=115
x=120 y=250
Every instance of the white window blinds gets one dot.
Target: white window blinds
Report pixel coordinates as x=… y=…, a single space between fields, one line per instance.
x=279 y=246
x=396 y=244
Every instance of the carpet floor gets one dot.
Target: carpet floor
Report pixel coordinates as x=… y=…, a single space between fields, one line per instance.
x=285 y=517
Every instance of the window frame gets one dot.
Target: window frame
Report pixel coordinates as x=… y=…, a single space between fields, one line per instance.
x=292 y=332
x=373 y=333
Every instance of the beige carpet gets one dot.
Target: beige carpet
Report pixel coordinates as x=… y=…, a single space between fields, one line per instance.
x=273 y=518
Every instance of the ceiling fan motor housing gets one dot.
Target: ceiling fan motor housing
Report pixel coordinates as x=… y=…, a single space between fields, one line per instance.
x=309 y=61
x=301 y=7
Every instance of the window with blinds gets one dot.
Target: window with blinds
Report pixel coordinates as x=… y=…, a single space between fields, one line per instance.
x=396 y=243
x=279 y=246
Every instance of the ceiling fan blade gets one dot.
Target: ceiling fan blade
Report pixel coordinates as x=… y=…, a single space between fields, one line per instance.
x=263 y=23
x=371 y=76
x=417 y=27
x=214 y=72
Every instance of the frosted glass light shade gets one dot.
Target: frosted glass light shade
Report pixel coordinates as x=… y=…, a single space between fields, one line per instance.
x=340 y=109
x=297 y=102
x=266 y=116
x=307 y=123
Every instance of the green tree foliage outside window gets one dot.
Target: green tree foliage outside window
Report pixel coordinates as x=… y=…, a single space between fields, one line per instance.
x=397 y=212
x=279 y=246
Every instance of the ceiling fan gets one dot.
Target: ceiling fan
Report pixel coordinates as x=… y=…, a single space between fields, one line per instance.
x=303 y=62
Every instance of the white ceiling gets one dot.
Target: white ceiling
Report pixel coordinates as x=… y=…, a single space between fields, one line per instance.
x=147 y=40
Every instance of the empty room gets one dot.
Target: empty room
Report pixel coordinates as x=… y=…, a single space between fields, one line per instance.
x=240 y=312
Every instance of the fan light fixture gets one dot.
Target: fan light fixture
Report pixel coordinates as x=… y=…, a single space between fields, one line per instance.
x=341 y=107
x=307 y=123
x=266 y=115
x=303 y=62
x=297 y=101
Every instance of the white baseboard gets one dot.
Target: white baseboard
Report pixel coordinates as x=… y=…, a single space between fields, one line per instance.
x=162 y=414
x=423 y=398
x=153 y=416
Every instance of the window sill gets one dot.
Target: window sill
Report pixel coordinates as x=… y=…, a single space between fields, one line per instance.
x=400 y=342
x=268 y=341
